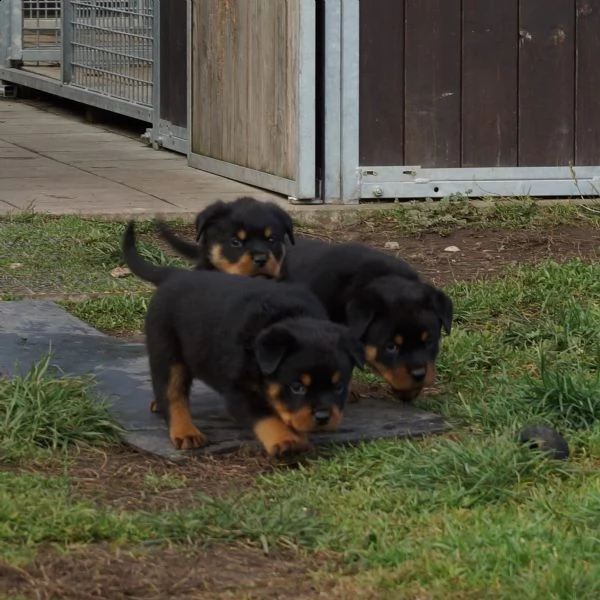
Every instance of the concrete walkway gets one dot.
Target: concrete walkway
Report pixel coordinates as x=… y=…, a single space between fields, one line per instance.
x=55 y=163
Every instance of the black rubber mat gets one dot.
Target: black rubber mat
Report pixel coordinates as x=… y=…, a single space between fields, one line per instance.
x=29 y=330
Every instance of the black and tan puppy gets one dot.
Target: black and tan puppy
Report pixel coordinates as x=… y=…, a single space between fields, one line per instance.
x=244 y=237
x=266 y=347
x=385 y=303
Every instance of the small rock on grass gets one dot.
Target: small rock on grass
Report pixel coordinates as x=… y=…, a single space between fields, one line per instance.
x=392 y=246
x=119 y=272
x=452 y=249
x=545 y=439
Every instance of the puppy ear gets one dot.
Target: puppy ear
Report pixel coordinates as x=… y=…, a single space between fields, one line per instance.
x=214 y=211
x=285 y=219
x=359 y=315
x=355 y=349
x=443 y=307
x=271 y=346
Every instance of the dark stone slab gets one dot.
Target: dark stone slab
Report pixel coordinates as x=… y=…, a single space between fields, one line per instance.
x=31 y=329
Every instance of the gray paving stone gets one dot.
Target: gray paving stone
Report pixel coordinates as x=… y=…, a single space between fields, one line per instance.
x=31 y=329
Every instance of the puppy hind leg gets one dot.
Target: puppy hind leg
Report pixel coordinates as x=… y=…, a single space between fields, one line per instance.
x=182 y=431
x=172 y=385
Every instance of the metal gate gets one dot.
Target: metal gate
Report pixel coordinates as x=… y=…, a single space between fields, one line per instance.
x=253 y=74
x=462 y=96
x=98 y=52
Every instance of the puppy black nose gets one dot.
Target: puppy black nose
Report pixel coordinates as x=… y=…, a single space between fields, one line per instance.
x=260 y=260
x=418 y=373
x=322 y=417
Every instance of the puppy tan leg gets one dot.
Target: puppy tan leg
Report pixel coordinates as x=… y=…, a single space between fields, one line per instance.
x=182 y=431
x=278 y=439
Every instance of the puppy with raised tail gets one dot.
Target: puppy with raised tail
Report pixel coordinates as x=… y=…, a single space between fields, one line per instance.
x=268 y=348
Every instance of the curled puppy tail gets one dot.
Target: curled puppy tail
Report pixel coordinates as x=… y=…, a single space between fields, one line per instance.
x=137 y=264
x=186 y=249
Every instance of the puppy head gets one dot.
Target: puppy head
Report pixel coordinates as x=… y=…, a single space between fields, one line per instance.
x=244 y=237
x=307 y=366
x=400 y=323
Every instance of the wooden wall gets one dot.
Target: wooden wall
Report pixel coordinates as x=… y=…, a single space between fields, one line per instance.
x=479 y=83
x=244 y=83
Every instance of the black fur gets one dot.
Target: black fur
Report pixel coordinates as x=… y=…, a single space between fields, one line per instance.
x=218 y=226
x=380 y=298
x=244 y=337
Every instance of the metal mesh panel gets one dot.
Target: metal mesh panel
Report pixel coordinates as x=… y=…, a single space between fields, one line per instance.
x=41 y=24
x=112 y=48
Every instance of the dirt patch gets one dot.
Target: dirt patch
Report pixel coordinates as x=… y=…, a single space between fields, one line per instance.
x=129 y=480
x=215 y=573
x=482 y=252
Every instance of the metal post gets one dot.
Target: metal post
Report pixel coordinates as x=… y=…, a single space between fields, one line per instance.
x=15 y=47
x=332 y=168
x=190 y=83
x=349 y=102
x=66 y=38
x=155 y=135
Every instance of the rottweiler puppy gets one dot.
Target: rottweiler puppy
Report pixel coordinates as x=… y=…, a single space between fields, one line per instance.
x=268 y=348
x=385 y=303
x=244 y=237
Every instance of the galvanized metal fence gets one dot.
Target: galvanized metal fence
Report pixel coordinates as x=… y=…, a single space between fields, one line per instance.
x=99 y=52
x=111 y=47
x=41 y=31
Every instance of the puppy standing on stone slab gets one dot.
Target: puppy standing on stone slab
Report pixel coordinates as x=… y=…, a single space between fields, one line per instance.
x=268 y=348
x=244 y=237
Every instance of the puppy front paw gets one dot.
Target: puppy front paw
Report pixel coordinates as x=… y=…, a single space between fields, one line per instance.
x=278 y=439
x=186 y=436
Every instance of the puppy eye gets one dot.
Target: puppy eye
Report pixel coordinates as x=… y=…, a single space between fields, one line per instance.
x=298 y=389
x=391 y=348
x=235 y=242
x=271 y=240
x=339 y=388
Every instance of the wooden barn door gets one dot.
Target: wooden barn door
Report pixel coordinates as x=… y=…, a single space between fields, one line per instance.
x=483 y=98
x=253 y=93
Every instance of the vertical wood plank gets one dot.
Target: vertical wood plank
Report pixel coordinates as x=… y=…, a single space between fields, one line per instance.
x=432 y=83
x=490 y=39
x=245 y=83
x=381 y=95
x=201 y=77
x=547 y=83
x=173 y=62
x=587 y=116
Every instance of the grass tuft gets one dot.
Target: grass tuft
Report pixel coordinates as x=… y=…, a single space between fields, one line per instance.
x=41 y=411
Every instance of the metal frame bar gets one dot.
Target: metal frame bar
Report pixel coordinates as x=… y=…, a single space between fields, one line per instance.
x=11 y=31
x=303 y=189
x=407 y=181
x=332 y=167
x=350 y=186
x=154 y=133
x=66 y=34
x=54 y=86
x=306 y=182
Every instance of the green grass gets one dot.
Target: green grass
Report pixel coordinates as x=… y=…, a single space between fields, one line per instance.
x=468 y=515
x=67 y=255
x=40 y=410
x=457 y=212
x=113 y=314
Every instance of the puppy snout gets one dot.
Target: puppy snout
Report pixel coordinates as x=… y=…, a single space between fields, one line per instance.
x=418 y=373
x=322 y=417
x=259 y=259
